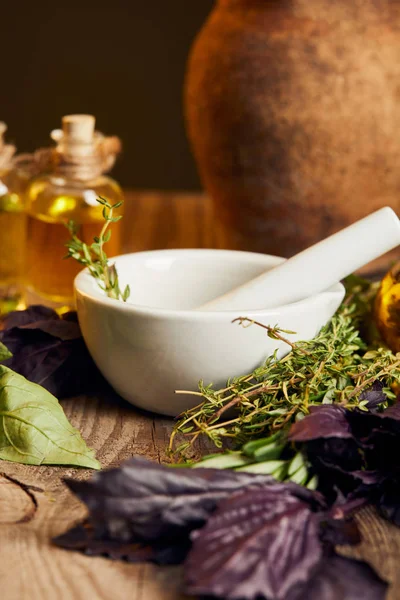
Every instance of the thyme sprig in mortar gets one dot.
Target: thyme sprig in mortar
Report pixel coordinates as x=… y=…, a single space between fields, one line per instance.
x=94 y=257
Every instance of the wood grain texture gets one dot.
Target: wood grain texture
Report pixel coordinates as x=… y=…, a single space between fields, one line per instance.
x=155 y=221
x=41 y=507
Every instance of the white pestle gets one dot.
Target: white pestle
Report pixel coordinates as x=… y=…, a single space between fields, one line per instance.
x=317 y=268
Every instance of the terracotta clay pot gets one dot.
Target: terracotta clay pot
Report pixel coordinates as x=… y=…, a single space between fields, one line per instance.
x=293 y=112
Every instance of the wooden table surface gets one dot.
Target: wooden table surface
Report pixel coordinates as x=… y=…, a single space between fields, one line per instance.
x=30 y=567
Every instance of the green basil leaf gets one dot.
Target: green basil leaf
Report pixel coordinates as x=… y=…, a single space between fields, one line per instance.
x=34 y=429
x=5 y=354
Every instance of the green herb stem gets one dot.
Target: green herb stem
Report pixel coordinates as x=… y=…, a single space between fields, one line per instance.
x=94 y=257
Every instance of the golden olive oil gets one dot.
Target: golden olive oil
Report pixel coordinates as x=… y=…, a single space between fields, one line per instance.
x=49 y=274
x=13 y=178
x=12 y=248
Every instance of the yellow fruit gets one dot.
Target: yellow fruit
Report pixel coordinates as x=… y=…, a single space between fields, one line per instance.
x=387 y=308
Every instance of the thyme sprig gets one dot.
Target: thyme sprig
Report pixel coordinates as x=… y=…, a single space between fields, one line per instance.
x=94 y=257
x=334 y=367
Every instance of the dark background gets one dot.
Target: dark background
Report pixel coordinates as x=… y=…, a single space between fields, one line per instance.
x=121 y=60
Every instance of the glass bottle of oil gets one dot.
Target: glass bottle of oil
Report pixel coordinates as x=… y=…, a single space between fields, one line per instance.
x=12 y=226
x=69 y=191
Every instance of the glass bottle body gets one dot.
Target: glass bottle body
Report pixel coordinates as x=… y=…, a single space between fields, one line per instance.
x=52 y=201
x=12 y=241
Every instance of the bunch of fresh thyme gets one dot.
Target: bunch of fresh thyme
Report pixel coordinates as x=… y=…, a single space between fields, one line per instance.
x=334 y=367
x=94 y=258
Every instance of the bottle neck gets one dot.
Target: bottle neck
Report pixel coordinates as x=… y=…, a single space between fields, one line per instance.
x=77 y=168
x=7 y=152
x=62 y=161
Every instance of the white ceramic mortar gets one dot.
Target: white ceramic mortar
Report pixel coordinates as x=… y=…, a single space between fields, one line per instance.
x=157 y=343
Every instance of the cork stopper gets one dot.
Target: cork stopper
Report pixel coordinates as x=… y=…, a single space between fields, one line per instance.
x=78 y=129
x=3 y=129
x=7 y=151
x=82 y=152
x=77 y=136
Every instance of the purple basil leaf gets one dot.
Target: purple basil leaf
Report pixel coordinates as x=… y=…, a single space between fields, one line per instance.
x=341 y=530
x=358 y=457
x=72 y=315
x=50 y=351
x=262 y=543
x=382 y=452
x=387 y=498
x=393 y=412
x=147 y=500
x=257 y=537
x=365 y=424
x=18 y=318
x=344 y=579
x=328 y=421
x=374 y=395
x=328 y=439
x=63 y=330
x=378 y=435
x=339 y=480
x=350 y=450
x=83 y=538
x=344 y=453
